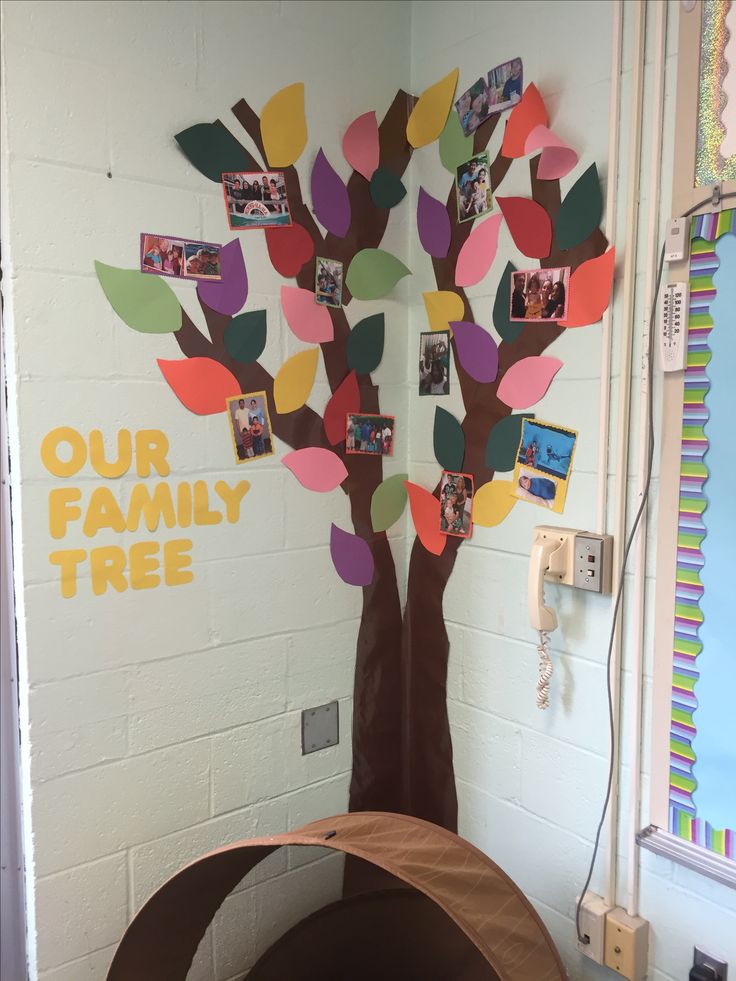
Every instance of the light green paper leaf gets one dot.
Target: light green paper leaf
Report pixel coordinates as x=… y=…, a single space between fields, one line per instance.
x=373 y=273
x=388 y=502
x=449 y=440
x=455 y=147
x=144 y=301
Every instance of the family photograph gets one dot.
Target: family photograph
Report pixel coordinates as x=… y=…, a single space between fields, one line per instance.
x=434 y=363
x=539 y=294
x=256 y=199
x=179 y=258
x=250 y=426
x=370 y=434
x=456 y=504
x=473 y=188
x=328 y=282
x=501 y=90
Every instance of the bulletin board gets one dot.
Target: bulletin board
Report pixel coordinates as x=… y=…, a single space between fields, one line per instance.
x=693 y=797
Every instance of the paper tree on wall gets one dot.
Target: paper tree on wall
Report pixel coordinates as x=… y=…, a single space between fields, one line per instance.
x=402 y=755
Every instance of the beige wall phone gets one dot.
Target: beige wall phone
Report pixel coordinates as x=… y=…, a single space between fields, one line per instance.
x=562 y=555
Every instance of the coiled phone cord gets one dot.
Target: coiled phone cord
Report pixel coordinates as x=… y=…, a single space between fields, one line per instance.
x=545 y=670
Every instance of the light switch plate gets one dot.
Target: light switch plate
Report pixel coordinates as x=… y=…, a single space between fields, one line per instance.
x=720 y=967
x=320 y=727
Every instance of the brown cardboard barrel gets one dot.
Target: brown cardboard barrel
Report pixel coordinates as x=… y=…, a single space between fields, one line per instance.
x=463 y=883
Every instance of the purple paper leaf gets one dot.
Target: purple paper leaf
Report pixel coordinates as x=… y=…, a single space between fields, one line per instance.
x=352 y=558
x=433 y=225
x=229 y=295
x=330 y=197
x=476 y=350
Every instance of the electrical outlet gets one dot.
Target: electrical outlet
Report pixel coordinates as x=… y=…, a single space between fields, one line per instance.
x=320 y=727
x=627 y=944
x=593 y=912
x=716 y=964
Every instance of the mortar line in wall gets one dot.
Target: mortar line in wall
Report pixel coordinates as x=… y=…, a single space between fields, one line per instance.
x=130 y=885
x=522 y=640
x=46 y=972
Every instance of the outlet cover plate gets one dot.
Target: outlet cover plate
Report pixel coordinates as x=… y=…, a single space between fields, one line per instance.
x=320 y=727
x=702 y=957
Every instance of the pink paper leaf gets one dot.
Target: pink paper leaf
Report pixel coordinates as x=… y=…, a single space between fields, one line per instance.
x=478 y=252
x=433 y=225
x=316 y=469
x=525 y=382
x=476 y=350
x=351 y=557
x=309 y=321
x=330 y=198
x=360 y=145
x=200 y=384
x=227 y=296
x=557 y=158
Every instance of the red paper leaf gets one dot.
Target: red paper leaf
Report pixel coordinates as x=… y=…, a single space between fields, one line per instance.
x=425 y=513
x=201 y=384
x=289 y=249
x=523 y=118
x=590 y=290
x=529 y=225
x=345 y=398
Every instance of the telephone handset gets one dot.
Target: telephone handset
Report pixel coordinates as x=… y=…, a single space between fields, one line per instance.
x=563 y=555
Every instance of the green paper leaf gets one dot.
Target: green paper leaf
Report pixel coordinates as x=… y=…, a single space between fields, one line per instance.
x=373 y=273
x=388 y=502
x=386 y=188
x=365 y=344
x=503 y=442
x=506 y=329
x=213 y=150
x=455 y=146
x=581 y=211
x=245 y=336
x=143 y=300
x=449 y=440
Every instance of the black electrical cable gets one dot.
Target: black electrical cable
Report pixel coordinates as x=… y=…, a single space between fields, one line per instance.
x=622 y=577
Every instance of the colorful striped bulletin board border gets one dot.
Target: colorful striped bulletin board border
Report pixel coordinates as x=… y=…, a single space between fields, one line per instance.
x=691 y=531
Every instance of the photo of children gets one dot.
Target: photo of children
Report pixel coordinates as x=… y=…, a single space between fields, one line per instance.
x=256 y=200
x=473 y=188
x=502 y=91
x=456 y=504
x=505 y=85
x=172 y=257
x=250 y=426
x=434 y=363
x=369 y=434
x=543 y=464
x=539 y=294
x=328 y=282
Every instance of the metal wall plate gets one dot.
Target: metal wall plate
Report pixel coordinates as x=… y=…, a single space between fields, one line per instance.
x=320 y=727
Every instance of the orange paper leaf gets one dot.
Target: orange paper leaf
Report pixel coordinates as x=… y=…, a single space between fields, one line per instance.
x=590 y=290
x=523 y=118
x=529 y=225
x=425 y=513
x=345 y=398
x=200 y=384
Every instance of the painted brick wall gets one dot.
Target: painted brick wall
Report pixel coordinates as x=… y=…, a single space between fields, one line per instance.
x=530 y=784
x=165 y=722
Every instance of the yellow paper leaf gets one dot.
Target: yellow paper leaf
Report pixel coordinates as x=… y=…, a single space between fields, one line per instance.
x=429 y=115
x=442 y=306
x=284 y=126
x=492 y=503
x=293 y=383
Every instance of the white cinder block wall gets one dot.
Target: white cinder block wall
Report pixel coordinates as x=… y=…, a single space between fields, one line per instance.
x=161 y=723
x=530 y=784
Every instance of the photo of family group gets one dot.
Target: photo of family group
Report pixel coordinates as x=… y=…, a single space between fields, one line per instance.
x=473 y=188
x=456 y=504
x=543 y=464
x=369 y=434
x=539 y=294
x=501 y=90
x=256 y=200
x=434 y=363
x=250 y=426
x=328 y=282
x=180 y=258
